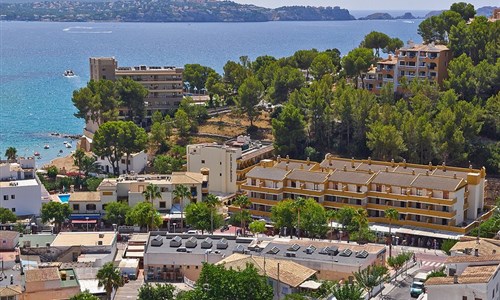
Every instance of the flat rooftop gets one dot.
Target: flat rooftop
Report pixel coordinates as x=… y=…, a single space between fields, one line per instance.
x=36 y=239
x=68 y=239
x=18 y=183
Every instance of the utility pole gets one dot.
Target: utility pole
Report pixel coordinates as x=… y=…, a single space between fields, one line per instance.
x=278 y=283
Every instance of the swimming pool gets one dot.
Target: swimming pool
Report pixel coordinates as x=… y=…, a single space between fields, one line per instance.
x=64 y=198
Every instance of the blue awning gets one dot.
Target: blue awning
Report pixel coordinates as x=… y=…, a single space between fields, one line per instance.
x=85 y=216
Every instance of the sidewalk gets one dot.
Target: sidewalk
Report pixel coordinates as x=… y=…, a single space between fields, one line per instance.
x=390 y=286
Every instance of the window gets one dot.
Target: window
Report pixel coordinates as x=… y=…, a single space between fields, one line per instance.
x=187 y=267
x=104 y=206
x=316 y=186
x=76 y=206
x=464 y=297
x=163 y=204
x=12 y=197
x=196 y=267
x=419 y=192
x=5 y=197
x=358 y=188
x=13 y=209
x=91 y=207
x=202 y=161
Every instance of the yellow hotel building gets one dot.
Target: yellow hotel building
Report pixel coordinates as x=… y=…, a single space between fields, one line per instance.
x=443 y=198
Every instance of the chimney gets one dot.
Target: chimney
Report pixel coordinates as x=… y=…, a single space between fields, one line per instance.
x=427 y=173
x=352 y=162
x=308 y=161
x=404 y=163
x=390 y=57
x=392 y=162
x=476 y=252
x=287 y=159
x=387 y=169
x=286 y=167
x=455 y=175
x=302 y=166
x=369 y=160
x=278 y=158
x=455 y=279
x=444 y=166
x=370 y=171
x=430 y=165
x=413 y=172
x=494 y=251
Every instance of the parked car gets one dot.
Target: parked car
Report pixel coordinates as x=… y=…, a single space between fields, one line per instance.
x=417 y=288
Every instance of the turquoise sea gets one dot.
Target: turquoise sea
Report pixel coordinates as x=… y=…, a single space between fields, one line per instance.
x=35 y=98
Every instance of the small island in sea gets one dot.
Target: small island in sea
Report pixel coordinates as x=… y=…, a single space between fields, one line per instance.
x=164 y=11
x=387 y=16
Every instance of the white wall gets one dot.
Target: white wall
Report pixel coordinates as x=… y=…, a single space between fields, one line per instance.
x=220 y=160
x=457 y=291
x=25 y=198
x=138 y=163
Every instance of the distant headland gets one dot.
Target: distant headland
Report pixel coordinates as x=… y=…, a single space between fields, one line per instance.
x=164 y=11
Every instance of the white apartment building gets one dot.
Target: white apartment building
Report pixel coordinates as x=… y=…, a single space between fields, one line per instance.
x=470 y=278
x=20 y=190
x=137 y=162
x=226 y=164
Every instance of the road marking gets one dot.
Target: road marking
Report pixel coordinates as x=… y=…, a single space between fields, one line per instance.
x=433 y=264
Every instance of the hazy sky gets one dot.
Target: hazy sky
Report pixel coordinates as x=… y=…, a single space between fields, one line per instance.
x=372 y=4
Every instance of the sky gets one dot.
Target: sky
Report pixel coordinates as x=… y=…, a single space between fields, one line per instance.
x=372 y=4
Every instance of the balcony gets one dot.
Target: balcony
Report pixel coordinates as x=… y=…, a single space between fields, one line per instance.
x=262 y=189
x=334 y=204
x=416 y=211
x=303 y=191
x=405 y=197
x=347 y=194
x=264 y=201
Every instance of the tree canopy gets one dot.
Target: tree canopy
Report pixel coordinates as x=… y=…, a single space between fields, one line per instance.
x=7 y=216
x=56 y=212
x=116 y=138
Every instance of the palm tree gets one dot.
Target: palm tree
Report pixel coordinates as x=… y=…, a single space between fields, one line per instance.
x=110 y=278
x=331 y=215
x=181 y=192
x=392 y=214
x=151 y=193
x=212 y=202
x=348 y=291
x=299 y=204
x=11 y=153
x=371 y=277
x=242 y=202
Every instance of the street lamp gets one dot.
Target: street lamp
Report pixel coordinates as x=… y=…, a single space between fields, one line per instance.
x=87 y=218
x=175 y=224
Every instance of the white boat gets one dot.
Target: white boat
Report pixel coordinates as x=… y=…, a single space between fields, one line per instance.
x=69 y=73
x=46 y=147
x=68 y=145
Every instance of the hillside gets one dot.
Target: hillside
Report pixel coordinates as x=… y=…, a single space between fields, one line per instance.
x=164 y=11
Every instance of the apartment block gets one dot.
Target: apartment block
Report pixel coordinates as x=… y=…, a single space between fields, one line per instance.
x=129 y=188
x=427 y=197
x=20 y=189
x=413 y=61
x=227 y=164
x=164 y=83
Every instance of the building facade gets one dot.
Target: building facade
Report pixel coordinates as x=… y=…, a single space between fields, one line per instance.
x=413 y=61
x=171 y=257
x=129 y=188
x=469 y=278
x=20 y=189
x=164 y=83
x=426 y=196
x=227 y=164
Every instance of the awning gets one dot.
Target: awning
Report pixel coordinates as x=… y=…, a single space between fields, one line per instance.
x=85 y=216
x=310 y=284
x=134 y=254
x=384 y=228
x=438 y=234
x=84 y=221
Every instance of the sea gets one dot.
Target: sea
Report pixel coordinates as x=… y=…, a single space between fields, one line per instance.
x=35 y=97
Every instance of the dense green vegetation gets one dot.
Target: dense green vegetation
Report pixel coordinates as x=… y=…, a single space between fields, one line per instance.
x=164 y=11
